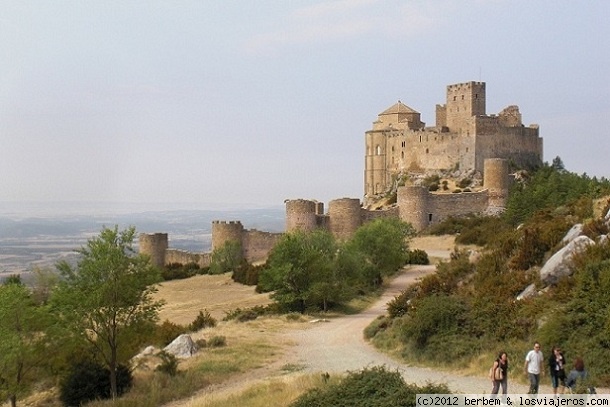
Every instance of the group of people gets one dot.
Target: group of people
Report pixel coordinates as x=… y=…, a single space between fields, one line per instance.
x=533 y=367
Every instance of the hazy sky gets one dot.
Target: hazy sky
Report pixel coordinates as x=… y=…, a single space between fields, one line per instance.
x=258 y=101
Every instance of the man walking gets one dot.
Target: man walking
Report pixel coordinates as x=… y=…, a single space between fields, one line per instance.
x=533 y=367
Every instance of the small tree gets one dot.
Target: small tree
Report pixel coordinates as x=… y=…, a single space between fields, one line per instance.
x=384 y=242
x=107 y=298
x=297 y=266
x=226 y=258
x=22 y=340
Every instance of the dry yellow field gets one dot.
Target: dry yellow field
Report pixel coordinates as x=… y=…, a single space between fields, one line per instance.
x=217 y=294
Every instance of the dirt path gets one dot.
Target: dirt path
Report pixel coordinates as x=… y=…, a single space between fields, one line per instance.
x=339 y=345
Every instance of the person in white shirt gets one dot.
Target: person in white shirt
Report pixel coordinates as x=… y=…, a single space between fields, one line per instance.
x=533 y=367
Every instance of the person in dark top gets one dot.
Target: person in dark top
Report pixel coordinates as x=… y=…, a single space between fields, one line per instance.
x=502 y=362
x=557 y=364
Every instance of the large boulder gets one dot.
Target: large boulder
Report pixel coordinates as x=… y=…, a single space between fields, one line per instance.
x=573 y=233
x=560 y=264
x=182 y=347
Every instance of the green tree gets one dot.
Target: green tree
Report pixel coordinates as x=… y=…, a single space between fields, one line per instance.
x=299 y=269
x=107 y=297
x=226 y=258
x=23 y=343
x=384 y=242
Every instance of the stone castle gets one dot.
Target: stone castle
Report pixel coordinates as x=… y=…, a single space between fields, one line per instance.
x=464 y=139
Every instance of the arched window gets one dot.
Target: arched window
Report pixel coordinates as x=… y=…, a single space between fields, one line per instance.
x=378 y=150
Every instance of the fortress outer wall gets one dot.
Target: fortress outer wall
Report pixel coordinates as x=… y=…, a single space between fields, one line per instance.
x=344 y=217
x=154 y=245
x=257 y=245
x=176 y=256
x=301 y=215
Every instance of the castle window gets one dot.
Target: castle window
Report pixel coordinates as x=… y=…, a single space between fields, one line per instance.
x=429 y=217
x=454 y=98
x=402 y=155
x=462 y=97
x=420 y=139
x=427 y=151
x=476 y=95
x=378 y=150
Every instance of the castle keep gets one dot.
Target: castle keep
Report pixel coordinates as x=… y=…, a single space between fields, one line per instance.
x=463 y=137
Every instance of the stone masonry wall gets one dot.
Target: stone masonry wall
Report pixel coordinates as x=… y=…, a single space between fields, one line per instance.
x=257 y=245
x=175 y=256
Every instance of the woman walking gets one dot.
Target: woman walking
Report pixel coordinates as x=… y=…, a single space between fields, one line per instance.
x=502 y=363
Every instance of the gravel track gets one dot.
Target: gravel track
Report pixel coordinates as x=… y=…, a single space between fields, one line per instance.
x=338 y=346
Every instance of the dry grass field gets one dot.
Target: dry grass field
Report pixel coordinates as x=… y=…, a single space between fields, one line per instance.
x=219 y=294
x=216 y=293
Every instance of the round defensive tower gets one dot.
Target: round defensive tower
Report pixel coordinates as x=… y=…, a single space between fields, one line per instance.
x=301 y=215
x=345 y=217
x=496 y=180
x=153 y=245
x=223 y=232
x=413 y=206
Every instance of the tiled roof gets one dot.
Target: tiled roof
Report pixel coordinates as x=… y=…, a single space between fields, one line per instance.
x=399 y=107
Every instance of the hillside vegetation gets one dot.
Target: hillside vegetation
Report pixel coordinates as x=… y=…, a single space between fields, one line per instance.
x=468 y=309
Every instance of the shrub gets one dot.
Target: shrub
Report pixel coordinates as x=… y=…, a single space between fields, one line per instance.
x=89 y=381
x=372 y=387
x=169 y=363
x=379 y=324
x=399 y=305
x=247 y=274
x=217 y=341
x=249 y=314
x=203 y=320
x=435 y=315
x=177 y=271
x=168 y=331
x=417 y=256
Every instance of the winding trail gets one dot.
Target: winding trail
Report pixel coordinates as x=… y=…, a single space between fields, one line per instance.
x=339 y=345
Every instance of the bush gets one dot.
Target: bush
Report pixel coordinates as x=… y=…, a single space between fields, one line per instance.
x=89 y=381
x=247 y=274
x=169 y=363
x=379 y=324
x=372 y=387
x=435 y=315
x=203 y=320
x=217 y=341
x=177 y=271
x=417 y=256
x=248 y=314
x=168 y=331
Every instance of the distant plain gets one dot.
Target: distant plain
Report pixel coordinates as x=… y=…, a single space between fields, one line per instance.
x=40 y=235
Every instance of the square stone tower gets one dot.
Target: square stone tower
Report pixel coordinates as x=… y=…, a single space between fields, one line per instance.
x=464 y=100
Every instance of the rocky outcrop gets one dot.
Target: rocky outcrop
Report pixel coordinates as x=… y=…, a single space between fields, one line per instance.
x=560 y=264
x=573 y=233
x=182 y=347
